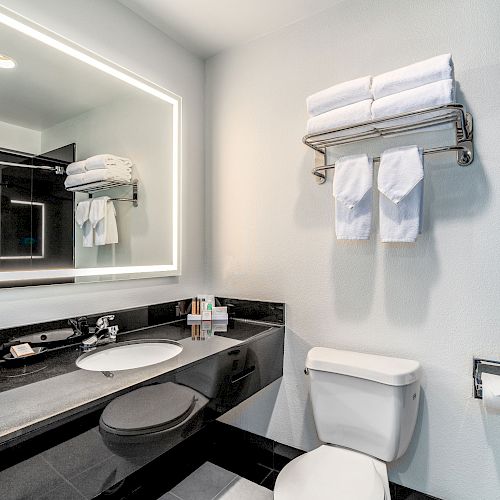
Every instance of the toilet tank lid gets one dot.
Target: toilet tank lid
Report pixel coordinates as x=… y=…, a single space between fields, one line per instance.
x=383 y=369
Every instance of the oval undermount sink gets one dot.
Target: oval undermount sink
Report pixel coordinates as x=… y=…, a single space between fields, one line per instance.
x=128 y=355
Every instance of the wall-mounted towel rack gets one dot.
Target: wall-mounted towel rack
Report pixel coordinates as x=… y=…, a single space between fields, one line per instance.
x=413 y=121
x=95 y=187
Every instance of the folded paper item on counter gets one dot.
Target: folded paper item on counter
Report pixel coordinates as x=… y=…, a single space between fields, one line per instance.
x=21 y=350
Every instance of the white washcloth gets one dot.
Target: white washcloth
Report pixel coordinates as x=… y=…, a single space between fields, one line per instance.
x=412 y=76
x=97 y=176
x=105 y=161
x=352 y=189
x=82 y=214
x=339 y=96
x=345 y=116
x=400 y=182
x=426 y=96
x=77 y=167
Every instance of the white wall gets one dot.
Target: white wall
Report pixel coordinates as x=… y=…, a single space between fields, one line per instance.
x=116 y=33
x=139 y=128
x=271 y=236
x=19 y=138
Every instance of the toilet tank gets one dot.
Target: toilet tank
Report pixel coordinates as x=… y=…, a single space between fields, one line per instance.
x=364 y=402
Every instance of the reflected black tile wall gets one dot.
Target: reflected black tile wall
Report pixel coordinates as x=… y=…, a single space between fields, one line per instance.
x=36 y=216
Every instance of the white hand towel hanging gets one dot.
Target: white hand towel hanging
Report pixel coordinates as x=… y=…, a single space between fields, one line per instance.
x=82 y=214
x=98 y=215
x=111 y=226
x=352 y=189
x=400 y=181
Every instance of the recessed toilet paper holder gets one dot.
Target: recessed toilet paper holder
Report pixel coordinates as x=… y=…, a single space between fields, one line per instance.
x=481 y=366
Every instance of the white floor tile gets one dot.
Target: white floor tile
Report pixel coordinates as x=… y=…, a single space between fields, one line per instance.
x=243 y=489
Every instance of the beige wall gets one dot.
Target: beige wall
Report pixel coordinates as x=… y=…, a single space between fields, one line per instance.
x=271 y=235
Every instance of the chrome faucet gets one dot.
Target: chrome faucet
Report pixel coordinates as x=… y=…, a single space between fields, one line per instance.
x=103 y=333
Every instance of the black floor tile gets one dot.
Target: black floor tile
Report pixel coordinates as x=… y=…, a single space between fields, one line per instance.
x=284 y=454
x=270 y=480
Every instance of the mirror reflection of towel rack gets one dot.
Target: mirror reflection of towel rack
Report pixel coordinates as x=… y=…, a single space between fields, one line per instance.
x=95 y=187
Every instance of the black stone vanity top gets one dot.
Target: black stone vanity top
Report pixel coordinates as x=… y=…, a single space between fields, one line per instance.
x=55 y=389
x=62 y=360
x=52 y=445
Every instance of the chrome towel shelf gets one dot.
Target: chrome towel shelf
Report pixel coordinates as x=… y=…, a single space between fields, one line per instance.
x=95 y=187
x=413 y=121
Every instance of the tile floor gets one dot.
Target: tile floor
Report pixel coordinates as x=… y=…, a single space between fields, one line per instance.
x=211 y=482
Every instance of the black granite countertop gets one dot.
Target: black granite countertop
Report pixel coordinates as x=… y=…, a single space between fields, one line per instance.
x=61 y=360
x=42 y=393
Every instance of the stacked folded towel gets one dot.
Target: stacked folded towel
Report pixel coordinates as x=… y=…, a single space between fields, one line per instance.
x=98 y=168
x=421 y=85
x=340 y=106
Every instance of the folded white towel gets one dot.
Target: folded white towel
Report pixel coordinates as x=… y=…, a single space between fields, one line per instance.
x=345 y=116
x=400 y=182
x=412 y=76
x=96 y=176
x=77 y=167
x=82 y=214
x=105 y=161
x=426 y=96
x=339 y=96
x=352 y=189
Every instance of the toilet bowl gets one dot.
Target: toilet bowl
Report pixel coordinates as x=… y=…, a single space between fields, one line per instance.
x=365 y=408
x=333 y=473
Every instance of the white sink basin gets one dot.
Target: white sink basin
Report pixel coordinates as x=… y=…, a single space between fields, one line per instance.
x=128 y=355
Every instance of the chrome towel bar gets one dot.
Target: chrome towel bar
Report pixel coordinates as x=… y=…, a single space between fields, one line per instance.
x=414 y=121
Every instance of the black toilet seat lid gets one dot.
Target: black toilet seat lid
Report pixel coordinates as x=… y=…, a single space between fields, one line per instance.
x=148 y=409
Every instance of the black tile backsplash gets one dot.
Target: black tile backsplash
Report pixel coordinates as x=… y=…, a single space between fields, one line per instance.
x=157 y=314
x=271 y=312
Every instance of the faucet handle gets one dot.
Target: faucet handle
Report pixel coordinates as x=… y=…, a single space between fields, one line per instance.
x=103 y=321
x=113 y=330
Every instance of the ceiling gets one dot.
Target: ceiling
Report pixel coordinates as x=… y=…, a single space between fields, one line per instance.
x=207 y=27
x=48 y=87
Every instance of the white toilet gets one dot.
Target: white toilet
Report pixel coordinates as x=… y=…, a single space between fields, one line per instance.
x=365 y=407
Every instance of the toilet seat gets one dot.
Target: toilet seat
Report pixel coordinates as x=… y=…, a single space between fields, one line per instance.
x=330 y=473
x=148 y=410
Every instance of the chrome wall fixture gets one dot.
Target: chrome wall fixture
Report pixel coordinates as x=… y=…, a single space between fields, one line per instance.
x=57 y=169
x=96 y=187
x=414 y=121
x=479 y=367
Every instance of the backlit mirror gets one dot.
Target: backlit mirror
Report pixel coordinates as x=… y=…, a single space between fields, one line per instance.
x=89 y=164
